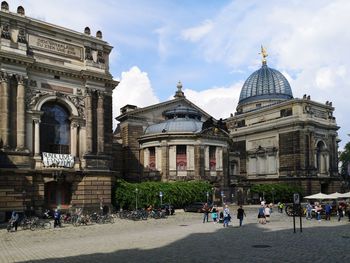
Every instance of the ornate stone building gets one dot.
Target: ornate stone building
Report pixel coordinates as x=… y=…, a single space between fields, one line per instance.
x=171 y=141
x=273 y=138
x=56 y=115
x=281 y=139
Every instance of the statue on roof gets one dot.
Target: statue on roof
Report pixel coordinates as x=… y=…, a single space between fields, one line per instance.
x=264 y=54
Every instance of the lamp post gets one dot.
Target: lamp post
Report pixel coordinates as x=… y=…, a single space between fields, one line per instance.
x=24 y=197
x=136 y=191
x=273 y=195
x=207 y=196
x=161 y=199
x=222 y=198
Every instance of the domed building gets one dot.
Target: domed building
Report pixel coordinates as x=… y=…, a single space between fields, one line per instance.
x=173 y=141
x=281 y=139
x=272 y=138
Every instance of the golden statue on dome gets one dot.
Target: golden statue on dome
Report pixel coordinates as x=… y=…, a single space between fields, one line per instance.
x=263 y=54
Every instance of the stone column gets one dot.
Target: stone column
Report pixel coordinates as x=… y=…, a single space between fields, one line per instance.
x=100 y=123
x=21 y=122
x=88 y=106
x=5 y=121
x=36 y=137
x=73 y=138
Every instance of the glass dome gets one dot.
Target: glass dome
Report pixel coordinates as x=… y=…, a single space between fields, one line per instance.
x=265 y=83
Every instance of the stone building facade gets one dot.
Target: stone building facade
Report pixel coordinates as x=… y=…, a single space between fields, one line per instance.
x=273 y=138
x=172 y=141
x=281 y=139
x=56 y=115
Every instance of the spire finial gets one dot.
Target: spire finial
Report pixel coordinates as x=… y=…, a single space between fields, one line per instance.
x=264 y=54
x=179 y=93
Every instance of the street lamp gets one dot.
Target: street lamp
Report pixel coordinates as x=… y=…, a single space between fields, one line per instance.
x=161 y=199
x=24 y=196
x=222 y=198
x=136 y=191
x=207 y=196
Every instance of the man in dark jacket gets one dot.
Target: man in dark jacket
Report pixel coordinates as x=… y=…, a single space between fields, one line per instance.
x=57 y=218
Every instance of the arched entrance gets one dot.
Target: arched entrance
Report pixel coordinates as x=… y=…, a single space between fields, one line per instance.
x=58 y=194
x=55 y=129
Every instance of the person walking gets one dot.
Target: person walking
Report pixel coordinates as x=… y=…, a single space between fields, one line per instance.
x=261 y=215
x=308 y=211
x=214 y=214
x=240 y=215
x=340 y=212
x=328 y=209
x=57 y=218
x=227 y=216
x=14 y=221
x=267 y=213
x=205 y=211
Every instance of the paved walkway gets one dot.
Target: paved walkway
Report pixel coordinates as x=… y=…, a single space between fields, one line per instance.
x=183 y=238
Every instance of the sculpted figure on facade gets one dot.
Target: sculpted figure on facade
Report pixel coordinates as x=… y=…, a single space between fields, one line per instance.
x=21 y=38
x=5 y=33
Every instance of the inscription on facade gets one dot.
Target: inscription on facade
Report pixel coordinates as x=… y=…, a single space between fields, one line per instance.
x=55 y=46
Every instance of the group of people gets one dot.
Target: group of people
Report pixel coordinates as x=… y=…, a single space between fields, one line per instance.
x=340 y=210
x=15 y=220
x=223 y=216
x=264 y=212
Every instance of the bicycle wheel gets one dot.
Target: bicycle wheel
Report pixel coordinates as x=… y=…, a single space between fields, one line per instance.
x=47 y=225
x=33 y=226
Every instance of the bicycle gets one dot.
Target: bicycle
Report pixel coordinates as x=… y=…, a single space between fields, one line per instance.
x=40 y=224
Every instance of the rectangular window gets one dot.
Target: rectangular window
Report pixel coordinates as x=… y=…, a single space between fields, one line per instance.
x=181 y=158
x=212 y=158
x=152 y=158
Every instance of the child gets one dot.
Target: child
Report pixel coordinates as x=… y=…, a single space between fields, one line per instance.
x=214 y=214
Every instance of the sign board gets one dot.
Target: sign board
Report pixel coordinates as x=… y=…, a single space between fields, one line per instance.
x=160 y=194
x=296 y=199
x=207 y=194
x=222 y=193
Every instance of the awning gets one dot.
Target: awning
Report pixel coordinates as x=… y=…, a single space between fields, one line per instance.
x=319 y=196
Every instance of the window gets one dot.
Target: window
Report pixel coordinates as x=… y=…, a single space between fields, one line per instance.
x=212 y=158
x=152 y=158
x=54 y=129
x=181 y=158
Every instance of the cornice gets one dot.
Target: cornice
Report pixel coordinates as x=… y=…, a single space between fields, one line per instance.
x=16 y=58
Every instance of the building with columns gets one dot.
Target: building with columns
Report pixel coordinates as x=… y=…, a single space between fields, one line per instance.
x=56 y=115
x=172 y=141
x=272 y=138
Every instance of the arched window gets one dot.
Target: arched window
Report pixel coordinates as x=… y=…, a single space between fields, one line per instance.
x=54 y=129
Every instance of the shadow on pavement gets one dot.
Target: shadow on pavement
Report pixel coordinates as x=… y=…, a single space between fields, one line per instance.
x=250 y=243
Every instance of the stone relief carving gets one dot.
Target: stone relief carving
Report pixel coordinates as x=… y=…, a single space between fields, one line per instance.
x=21 y=38
x=100 y=58
x=6 y=31
x=88 y=55
x=33 y=96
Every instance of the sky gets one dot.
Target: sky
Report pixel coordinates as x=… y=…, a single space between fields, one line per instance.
x=213 y=46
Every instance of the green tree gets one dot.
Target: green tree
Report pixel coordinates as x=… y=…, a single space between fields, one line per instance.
x=344 y=157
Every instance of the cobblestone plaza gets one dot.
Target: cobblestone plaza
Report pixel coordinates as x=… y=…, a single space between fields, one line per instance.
x=183 y=238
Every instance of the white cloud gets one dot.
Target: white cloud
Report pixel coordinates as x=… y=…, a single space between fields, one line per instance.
x=134 y=88
x=219 y=102
x=194 y=34
x=307 y=40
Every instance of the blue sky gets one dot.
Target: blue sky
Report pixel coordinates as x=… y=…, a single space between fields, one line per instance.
x=213 y=46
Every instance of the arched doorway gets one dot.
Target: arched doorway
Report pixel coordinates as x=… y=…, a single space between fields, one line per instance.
x=58 y=194
x=55 y=129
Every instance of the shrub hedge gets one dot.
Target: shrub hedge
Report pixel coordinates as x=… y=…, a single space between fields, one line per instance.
x=179 y=194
